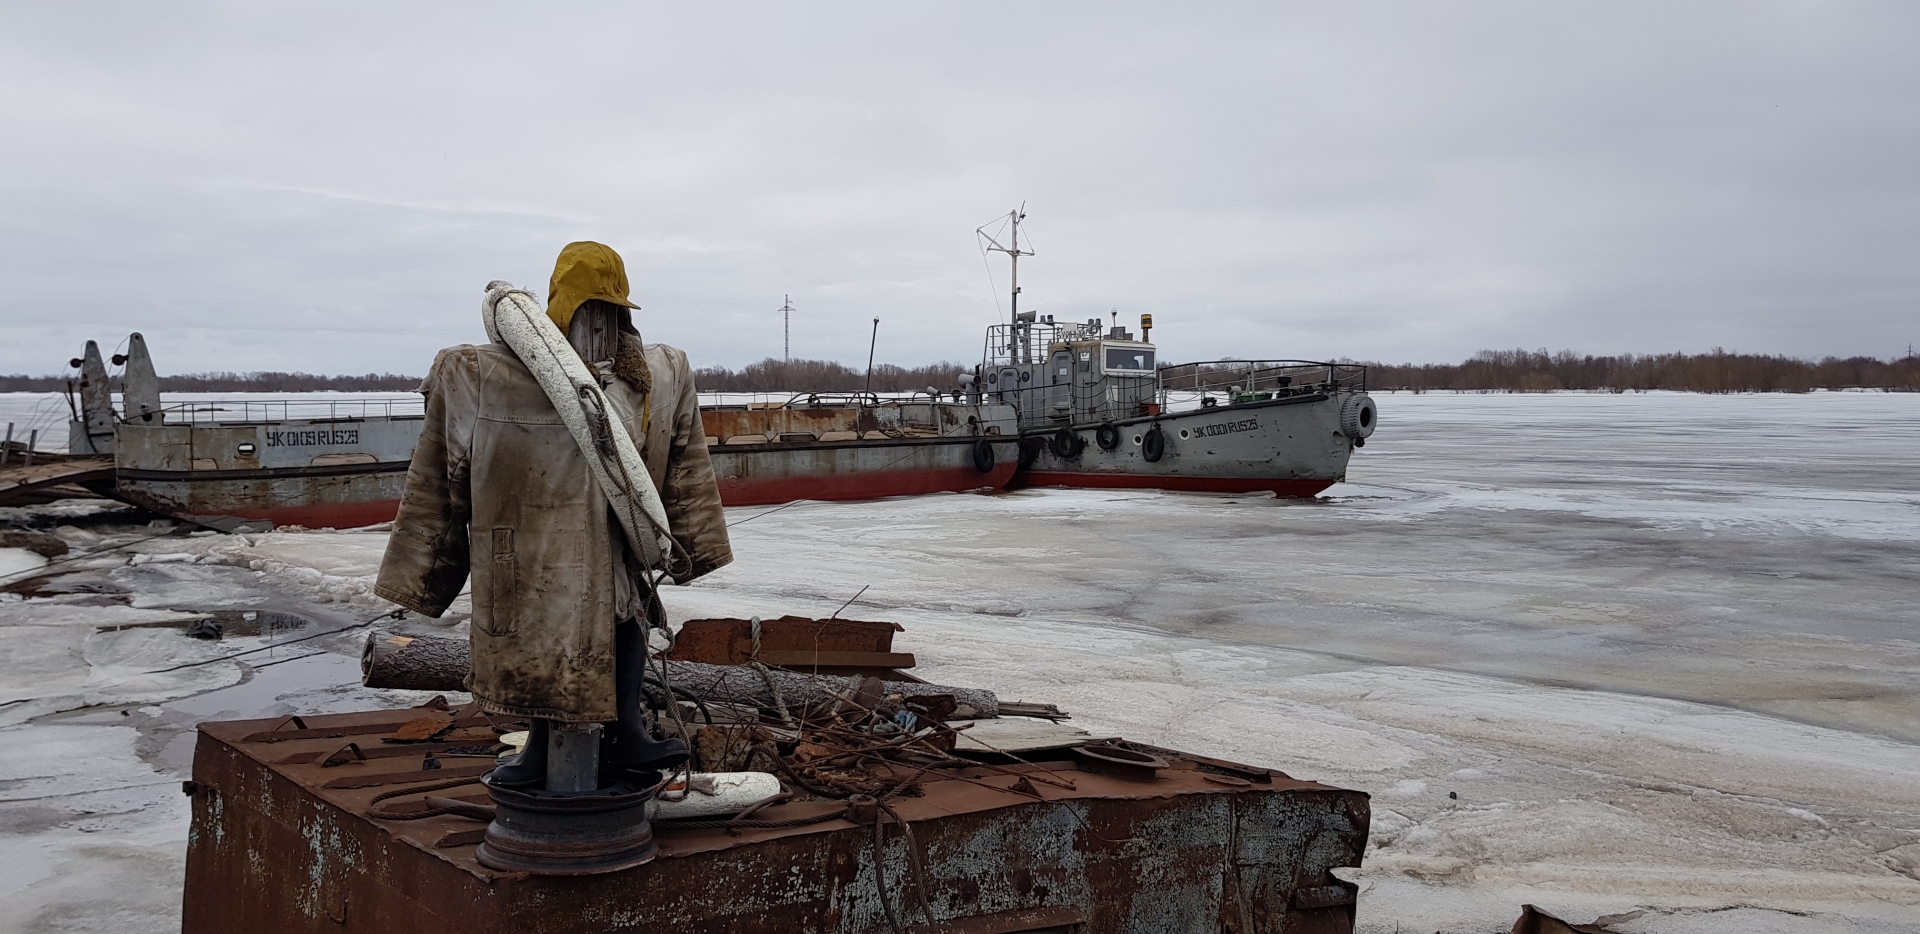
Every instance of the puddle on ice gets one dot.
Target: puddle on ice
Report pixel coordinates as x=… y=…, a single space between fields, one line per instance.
x=301 y=669
x=235 y=623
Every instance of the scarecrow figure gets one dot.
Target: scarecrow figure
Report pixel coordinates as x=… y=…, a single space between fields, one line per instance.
x=500 y=491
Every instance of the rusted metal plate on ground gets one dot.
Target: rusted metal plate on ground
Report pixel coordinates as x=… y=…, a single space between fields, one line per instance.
x=277 y=844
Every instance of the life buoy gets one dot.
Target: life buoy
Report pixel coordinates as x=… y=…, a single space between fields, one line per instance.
x=1154 y=445
x=1107 y=436
x=983 y=457
x=1358 y=416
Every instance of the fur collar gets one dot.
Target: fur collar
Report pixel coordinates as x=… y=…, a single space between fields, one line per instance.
x=630 y=363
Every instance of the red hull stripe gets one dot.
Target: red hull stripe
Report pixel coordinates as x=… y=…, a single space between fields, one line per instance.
x=1124 y=481
x=325 y=515
x=755 y=491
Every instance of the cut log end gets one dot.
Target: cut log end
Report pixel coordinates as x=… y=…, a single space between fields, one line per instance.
x=415 y=663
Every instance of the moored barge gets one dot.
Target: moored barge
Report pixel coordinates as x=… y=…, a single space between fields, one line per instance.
x=1064 y=404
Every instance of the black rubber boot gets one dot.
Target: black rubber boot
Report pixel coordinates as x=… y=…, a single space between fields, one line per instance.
x=528 y=767
x=628 y=744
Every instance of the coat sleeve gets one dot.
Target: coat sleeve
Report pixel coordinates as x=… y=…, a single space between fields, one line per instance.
x=691 y=494
x=426 y=563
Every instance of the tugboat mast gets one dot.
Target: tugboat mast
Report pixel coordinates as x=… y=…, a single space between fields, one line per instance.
x=1013 y=251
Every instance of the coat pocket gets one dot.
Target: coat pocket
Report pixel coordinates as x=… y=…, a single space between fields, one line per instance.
x=503 y=587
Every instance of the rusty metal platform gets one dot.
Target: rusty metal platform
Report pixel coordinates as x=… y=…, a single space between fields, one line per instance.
x=282 y=842
x=20 y=481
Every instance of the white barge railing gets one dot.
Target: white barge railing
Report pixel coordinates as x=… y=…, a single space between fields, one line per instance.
x=256 y=411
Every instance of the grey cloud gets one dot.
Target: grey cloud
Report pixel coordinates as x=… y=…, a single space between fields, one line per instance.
x=327 y=187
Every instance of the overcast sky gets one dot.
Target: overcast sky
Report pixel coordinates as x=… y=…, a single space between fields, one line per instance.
x=327 y=187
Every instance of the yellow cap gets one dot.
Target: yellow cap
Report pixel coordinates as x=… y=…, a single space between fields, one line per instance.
x=585 y=271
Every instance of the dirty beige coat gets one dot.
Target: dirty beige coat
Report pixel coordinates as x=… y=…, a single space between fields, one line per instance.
x=499 y=490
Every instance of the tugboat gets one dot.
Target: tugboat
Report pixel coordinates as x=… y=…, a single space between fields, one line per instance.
x=1095 y=408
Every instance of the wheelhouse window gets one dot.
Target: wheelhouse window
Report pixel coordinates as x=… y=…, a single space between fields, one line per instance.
x=1130 y=359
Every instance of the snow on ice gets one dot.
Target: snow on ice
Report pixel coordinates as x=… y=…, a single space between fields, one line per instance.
x=1650 y=656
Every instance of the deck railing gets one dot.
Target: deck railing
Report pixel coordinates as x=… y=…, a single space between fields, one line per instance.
x=253 y=411
x=1234 y=378
x=835 y=399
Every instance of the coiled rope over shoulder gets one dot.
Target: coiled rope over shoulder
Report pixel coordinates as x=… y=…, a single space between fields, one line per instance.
x=514 y=318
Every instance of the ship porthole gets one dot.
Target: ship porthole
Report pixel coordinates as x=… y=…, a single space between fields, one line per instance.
x=1136 y=439
x=1183 y=434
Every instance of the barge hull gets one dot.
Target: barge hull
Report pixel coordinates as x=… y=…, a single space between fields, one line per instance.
x=279 y=842
x=258 y=500
x=1291 y=446
x=765 y=474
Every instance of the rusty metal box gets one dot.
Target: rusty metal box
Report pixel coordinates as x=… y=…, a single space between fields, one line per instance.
x=281 y=843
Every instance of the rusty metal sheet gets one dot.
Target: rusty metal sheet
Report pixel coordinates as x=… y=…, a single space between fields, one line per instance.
x=730 y=641
x=726 y=423
x=18 y=481
x=274 y=848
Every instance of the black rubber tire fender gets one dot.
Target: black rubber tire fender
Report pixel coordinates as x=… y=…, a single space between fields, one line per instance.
x=1154 y=445
x=1067 y=444
x=1107 y=436
x=1358 y=416
x=983 y=459
x=1030 y=448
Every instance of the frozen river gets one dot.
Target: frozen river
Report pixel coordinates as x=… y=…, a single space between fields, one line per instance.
x=1654 y=656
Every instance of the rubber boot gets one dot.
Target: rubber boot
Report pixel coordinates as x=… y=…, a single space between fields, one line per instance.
x=629 y=745
x=528 y=767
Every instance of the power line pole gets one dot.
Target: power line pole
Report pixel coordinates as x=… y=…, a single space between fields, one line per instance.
x=872 y=343
x=786 y=327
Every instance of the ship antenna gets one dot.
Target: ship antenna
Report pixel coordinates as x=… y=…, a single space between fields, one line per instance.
x=872 y=343
x=1013 y=251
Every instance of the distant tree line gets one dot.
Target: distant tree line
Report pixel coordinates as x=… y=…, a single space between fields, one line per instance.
x=1719 y=371
x=772 y=375
x=236 y=382
x=1488 y=370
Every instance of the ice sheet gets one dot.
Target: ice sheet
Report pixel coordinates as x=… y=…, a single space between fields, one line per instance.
x=15 y=562
x=1649 y=653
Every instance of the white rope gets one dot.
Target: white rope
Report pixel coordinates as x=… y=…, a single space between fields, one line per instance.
x=514 y=318
x=779 y=703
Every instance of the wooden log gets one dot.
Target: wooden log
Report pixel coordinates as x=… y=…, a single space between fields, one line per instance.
x=804 y=659
x=415 y=663
x=434 y=663
x=739 y=684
